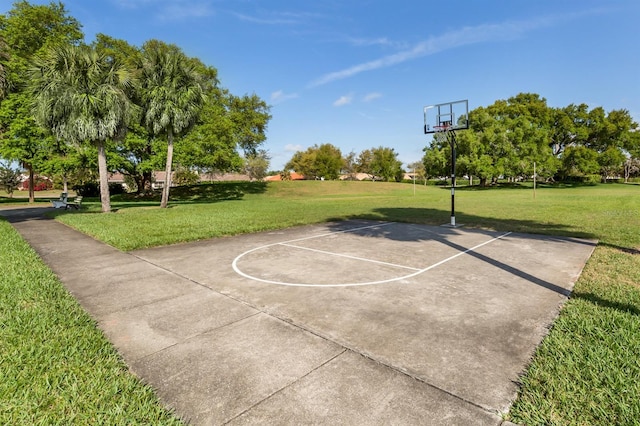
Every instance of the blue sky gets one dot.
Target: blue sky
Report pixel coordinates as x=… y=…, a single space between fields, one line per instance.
x=357 y=73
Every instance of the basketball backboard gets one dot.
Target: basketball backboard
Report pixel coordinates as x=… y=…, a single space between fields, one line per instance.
x=446 y=116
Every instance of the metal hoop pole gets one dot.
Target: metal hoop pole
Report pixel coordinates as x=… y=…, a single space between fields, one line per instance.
x=452 y=141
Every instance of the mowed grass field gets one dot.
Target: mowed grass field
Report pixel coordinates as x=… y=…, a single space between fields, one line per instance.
x=584 y=373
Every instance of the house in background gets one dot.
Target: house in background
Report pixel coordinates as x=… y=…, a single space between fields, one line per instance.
x=278 y=177
x=159 y=178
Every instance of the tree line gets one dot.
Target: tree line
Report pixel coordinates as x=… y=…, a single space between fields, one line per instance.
x=68 y=107
x=326 y=161
x=506 y=139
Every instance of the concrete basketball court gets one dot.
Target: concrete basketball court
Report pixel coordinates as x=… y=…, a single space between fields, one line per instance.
x=353 y=322
x=459 y=311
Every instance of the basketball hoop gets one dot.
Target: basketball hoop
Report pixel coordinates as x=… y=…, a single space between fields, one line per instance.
x=444 y=120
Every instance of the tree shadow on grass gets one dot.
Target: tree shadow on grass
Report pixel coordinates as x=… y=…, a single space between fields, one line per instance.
x=430 y=216
x=599 y=301
x=193 y=194
x=626 y=250
x=522 y=186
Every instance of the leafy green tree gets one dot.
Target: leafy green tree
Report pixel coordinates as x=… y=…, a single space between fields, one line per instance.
x=21 y=139
x=508 y=137
x=172 y=97
x=349 y=165
x=302 y=162
x=250 y=117
x=568 y=127
x=328 y=161
x=80 y=95
x=385 y=164
x=211 y=146
x=363 y=163
x=4 y=58
x=611 y=163
x=9 y=179
x=139 y=153
x=479 y=149
x=63 y=164
x=28 y=28
x=631 y=168
x=227 y=125
x=27 y=31
x=185 y=176
x=579 y=162
x=436 y=159
x=418 y=170
x=319 y=161
x=257 y=164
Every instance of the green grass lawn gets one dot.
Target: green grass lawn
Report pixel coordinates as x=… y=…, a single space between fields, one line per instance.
x=584 y=372
x=56 y=367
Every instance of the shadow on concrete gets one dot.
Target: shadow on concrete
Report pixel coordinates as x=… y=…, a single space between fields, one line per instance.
x=22 y=214
x=430 y=216
x=444 y=234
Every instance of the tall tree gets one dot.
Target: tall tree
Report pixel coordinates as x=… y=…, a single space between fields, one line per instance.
x=579 y=162
x=349 y=165
x=211 y=146
x=250 y=116
x=9 y=179
x=172 y=97
x=4 y=59
x=569 y=127
x=385 y=164
x=257 y=164
x=21 y=139
x=435 y=161
x=28 y=30
x=363 y=163
x=611 y=163
x=137 y=153
x=418 y=171
x=80 y=95
x=319 y=161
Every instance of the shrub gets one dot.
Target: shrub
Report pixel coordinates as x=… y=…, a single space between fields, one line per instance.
x=9 y=179
x=39 y=184
x=183 y=176
x=88 y=189
x=116 y=188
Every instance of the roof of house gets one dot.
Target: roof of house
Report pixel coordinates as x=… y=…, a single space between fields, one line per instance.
x=294 y=176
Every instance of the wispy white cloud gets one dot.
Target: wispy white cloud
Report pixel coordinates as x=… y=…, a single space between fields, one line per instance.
x=171 y=10
x=293 y=147
x=343 y=100
x=465 y=36
x=132 y=4
x=380 y=41
x=275 y=17
x=272 y=20
x=371 y=96
x=180 y=11
x=279 y=96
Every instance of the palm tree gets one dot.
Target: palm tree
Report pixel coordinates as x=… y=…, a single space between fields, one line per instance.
x=79 y=94
x=172 y=97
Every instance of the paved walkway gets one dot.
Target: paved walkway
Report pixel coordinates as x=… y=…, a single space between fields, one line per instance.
x=219 y=355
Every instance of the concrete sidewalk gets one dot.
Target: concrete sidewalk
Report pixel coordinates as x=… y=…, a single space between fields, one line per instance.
x=217 y=356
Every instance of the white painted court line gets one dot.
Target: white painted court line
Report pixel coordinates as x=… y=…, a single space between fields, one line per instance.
x=287 y=243
x=350 y=257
